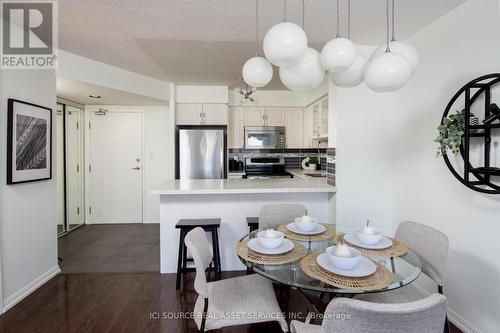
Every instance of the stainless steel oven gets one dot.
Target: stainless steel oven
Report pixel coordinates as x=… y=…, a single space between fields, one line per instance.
x=265 y=137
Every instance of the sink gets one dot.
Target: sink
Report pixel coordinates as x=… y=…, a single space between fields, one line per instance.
x=318 y=175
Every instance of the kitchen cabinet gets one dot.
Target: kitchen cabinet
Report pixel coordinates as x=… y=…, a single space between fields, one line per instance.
x=236 y=127
x=264 y=116
x=308 y=128
x=294 y=128
x=201 y=114
x=320 y=118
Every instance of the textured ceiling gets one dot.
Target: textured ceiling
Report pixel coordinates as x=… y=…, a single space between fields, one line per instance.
x=207 y=41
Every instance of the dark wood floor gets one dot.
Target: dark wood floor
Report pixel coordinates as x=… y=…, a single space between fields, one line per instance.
x=111 y=248
x=101 y=303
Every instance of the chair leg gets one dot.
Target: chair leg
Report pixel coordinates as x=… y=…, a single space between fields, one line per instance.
x=446 y=325
x=218 y=267
x=179 y=259
x=204 y=316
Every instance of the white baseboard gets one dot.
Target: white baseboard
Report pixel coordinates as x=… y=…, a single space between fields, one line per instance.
x=21 y=294
x=455 y=318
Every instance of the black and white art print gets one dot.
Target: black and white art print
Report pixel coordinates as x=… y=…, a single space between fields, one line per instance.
x=29 y=142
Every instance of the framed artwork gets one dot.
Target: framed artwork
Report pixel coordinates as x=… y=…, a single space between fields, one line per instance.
x=29 y=142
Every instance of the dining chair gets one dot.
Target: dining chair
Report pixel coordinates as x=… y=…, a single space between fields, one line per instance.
x=237 y=301
x=351 y=315
x=275 y=214
x=431 y=246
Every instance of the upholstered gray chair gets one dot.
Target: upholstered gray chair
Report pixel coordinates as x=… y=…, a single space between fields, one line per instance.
x=230 y=302
x=431 y=246
x=350 y=315
x=273 y=215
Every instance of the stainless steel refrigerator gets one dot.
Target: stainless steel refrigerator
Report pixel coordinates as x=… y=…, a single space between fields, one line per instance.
x=201 y=152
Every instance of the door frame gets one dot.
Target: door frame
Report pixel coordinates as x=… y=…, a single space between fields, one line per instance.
x=88 y=154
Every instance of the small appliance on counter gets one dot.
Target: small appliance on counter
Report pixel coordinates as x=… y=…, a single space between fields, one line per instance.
x=266 y=168
x=201 y=152
x=236 y=165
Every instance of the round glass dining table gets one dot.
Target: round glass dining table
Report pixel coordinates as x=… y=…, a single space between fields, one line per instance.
x=405 y=268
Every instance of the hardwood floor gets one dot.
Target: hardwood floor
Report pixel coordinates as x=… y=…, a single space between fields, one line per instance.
x=111 y=248
x=101 y=303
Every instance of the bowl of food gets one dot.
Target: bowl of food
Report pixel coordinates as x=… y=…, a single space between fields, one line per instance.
x=306 y=223
x=270 y=238
x=343 y=256
x=369 y=235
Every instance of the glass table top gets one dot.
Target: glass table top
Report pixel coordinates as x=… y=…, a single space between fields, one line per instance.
x=405 y=268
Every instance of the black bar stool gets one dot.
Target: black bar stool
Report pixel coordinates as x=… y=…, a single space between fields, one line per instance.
x=253 y=223
x=209 y=225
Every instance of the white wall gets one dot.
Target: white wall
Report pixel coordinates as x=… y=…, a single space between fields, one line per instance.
x=201 y=94
x=158 y=154
x=28 y=212
x=457 y=48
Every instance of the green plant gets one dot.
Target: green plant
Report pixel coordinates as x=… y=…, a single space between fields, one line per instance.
x=313 y=160
x=450 y=133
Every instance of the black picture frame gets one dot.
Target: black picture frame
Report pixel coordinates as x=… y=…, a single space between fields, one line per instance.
x=34 y=174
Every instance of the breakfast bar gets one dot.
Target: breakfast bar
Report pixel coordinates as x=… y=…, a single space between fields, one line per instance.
x=232 y=200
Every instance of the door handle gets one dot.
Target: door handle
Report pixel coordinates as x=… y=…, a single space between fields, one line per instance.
x=136 y=168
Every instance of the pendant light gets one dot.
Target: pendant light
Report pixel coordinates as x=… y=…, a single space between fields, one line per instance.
x=307 y=73
x=257 y=71
x=353 y=76
x=285 y=43
x=338 y=54
x=389 y=71
x=401 y=48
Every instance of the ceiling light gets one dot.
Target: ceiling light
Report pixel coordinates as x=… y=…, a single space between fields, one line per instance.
x=406 y=50
x=257 y=71
x=339 y=53
x=307 y=74
x=388 y=71
x=285 y=43
x=94 y=96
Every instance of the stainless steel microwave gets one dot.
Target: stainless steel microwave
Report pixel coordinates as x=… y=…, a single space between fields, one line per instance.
x=265 y=137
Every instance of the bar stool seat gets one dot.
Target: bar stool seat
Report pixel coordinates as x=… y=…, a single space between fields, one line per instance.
x=209 y=225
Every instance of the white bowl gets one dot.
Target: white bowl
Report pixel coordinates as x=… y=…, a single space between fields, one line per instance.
x=343 y=262
x=270 y=242
x=369 y=239
x=306 y=226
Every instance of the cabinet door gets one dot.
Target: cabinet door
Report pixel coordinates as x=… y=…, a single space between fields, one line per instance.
x=215 y=114
x=275 y=116
x=316 y=119
x=189 y=114
x=254 y=116
x=236 y=127
x=324 y=117
x=294 y=128
x=308 y=127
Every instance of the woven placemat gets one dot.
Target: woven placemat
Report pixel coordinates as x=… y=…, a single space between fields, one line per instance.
x=329 y=233
x=397 y=248
x=376 y=281
x=244 y=252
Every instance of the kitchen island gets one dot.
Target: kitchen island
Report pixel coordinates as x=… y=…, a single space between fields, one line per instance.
x=232 y=200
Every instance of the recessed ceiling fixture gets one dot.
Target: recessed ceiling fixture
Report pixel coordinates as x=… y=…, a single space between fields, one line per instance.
x=247 y=95
x=94 y=96
x=353 y=76
x=388 y=71
x=338 y=54
x=307 y=73
x=257 y=71
x=285 y=43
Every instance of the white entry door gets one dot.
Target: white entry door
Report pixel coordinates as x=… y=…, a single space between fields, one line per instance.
x=115 y=170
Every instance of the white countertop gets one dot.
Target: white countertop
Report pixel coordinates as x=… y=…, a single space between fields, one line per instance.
x=244 y=186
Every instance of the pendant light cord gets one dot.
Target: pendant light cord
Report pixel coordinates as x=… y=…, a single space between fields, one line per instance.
x=393 y=25
x=284 y=10
x=303 y=15
x=349 y=19
x=257 y=28
x=388 y=49
x=338 y=20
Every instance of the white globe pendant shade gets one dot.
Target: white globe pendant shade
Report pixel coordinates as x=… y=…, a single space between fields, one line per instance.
x=353 y=76
x=284 y=44
x=257 y=72
x=307 y=74
x=406 y=50
x=387 y=72
x=338 y=55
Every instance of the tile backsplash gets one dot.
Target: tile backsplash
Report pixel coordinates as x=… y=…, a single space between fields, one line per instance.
x=330 y=165
x=293 y=157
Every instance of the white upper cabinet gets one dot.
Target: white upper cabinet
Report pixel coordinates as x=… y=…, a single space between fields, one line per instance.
x=236 y=127
x=274 y=116
x=201 y=114
x=254 y=116
x=320 y=118
x=308 y=127
x=294 y=128
x=214 y=114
